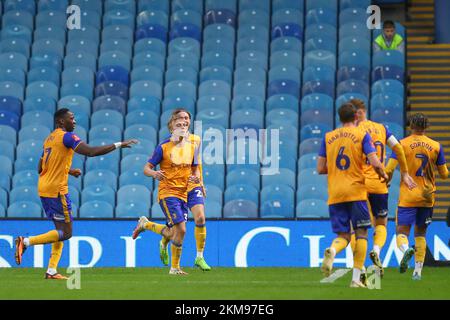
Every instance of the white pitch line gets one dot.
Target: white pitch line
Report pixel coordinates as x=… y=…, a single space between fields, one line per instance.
x=335 y=275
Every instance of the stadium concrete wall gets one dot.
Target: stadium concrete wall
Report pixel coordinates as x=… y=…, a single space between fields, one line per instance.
x=229 y=244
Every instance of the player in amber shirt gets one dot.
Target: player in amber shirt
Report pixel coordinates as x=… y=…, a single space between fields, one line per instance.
x=342 y=156
x=424 y=155
x=54 y=169
x=177 y=158
x=377 y=190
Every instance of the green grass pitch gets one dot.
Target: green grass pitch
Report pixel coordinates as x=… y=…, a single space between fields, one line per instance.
x=218 y=284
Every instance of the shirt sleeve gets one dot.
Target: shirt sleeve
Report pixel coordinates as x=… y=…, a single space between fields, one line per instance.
x=441 y=157
x=323 y=149
x=388 y=133
x=71 y=140
x=368 y=146
x=394 y=155
x=157 y=156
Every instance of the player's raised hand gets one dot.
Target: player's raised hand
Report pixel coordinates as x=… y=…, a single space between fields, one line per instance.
x=159 y=175
x=128 y=143
x=408 y=180
x=75 y=172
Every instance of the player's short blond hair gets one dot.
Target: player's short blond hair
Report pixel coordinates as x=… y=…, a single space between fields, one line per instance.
x=174 y=116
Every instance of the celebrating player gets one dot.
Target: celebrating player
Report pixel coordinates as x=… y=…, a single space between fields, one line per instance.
x=416 y=206
x=341 y=157
x=177 y=158
x=54 y=169
x=377 y=190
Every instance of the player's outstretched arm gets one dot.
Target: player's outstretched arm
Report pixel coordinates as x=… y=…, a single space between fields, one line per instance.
x=91 y=151
x=378 y=166
x=155 y=174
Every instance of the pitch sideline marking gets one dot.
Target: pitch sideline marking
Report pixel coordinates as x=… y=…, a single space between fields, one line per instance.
x=335 y=275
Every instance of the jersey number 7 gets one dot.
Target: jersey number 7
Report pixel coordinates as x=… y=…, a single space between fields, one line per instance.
x=424 y=159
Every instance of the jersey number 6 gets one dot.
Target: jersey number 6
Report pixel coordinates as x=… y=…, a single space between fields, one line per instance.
x=342 y=161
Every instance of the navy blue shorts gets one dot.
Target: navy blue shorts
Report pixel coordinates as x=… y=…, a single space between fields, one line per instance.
x=379 y=205
x=59 y=208
x=421 y=216
x=195 y=197
x=356 y=212
x=175 y=210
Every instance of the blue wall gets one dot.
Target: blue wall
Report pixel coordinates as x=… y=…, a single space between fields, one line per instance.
x=229 y=243
x=442 y=23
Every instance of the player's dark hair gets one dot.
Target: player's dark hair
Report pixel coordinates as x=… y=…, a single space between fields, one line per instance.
x=347 y=113
x=388 y=24
x=418 y=121
x=359 y=104
x=173 y=117
x=59 y=114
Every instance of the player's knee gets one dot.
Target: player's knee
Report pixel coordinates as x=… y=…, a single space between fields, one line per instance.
x=200 y=220
x=66 y=235
x=360 y=232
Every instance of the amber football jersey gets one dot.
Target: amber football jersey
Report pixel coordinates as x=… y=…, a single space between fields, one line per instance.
x=344 y=149
x=423 y=155
x=195 y=139
x=56 y=158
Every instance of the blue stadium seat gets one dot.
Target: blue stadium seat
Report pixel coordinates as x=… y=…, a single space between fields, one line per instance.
x=321 y=15
x=151 y=45
x=249 y=176
x=105 y=131
x=187 y=30
x=91 y=18
x=148 y=73
x=277 y=201
x=96 y=209
x=114 y=58
x=117 y=32
x=13 y=90
x=8 y=134
x=352 y=43
x=314 y=130
x=9 y=119
x=144 y=102
x=89 y=5
x=283 y=58
x=263 y=5
x=321 y=30
x=354 y=73
x=287 y=30
x=283 y=4
x=15 y=45
x=117 y=17
x=17 y=60
x=151 y=88
x=184 y=45
x=247 y=119
x=213 y=116
x=310 y=176
x=388 y=72
x=285 y=176
x=174 y=102
x=135 y=176
x=249 y=30
x=251 y=59
x=354 y=58
x=39 y=103
x=77 y=88
x=13 y=75
x=37 y=117
x=312 y=191
x=353 y=14
x=196 y=5
x=48 y=46
x=18 y=17
x=131 y=209
x=144 y=146
x=14 y=5
x=282 y=117
x=287 y=15
x=387 y=100
x=140 y=131
x=215 y=58
x=256 y=88
x=76 y=104
x=85 y=33
x=312 y=208
x=254 y=16
x=287 y=87
x=247 y=101
x=186 y=16
x=16 y=31
x=7 y=149
x=216 y=73
x=354 y=29
x=11 y=104
x=151 y=30
x=240 y=209
x=285 y=44
x=26 y=178
x=313 y=87
x=241 y=192
x=149 y=58
x=180 y=88
x=34 y=131
x=219 y=31
x=43 y=74
x=222 y=16
x=78 y=74
x=5 y=166
x=42 y=89
x=213 y=102
x=252 y=44
x=319 y=73
x=318 y=58
x=396 y=129
x=51 y=18
x=282 y=101
x=81 y=59
x=306 y=161
x=218 y=45
x=345 y=4
x=113 y=88
x=24 y=193
x=353 y=86
x=112 y=73
x=162 y=5
x=98 y=193
x=388 y=87
x=183 y=59
x=349 y=96
x=135 y=194
x=394 y=115
x=388 y=57
x=100 y=178
x=82 y=46
x=311 y=145
x=323 y=43
x=24 y=209
x=107 y=117
x=109 y=102
x=133 y=161
x=215 y=88
x=249 y=73
x=152 y=17
x=142 y=116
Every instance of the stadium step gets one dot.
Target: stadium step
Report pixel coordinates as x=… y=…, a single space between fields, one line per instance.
x=428 y=69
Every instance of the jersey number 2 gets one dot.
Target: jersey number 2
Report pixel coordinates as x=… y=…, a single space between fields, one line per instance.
x=342 y=158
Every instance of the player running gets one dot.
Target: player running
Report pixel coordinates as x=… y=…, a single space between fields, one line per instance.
x=178 y=161
x=377 y=190
x=54 y=169
x=416 y=206
x=341 y=157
